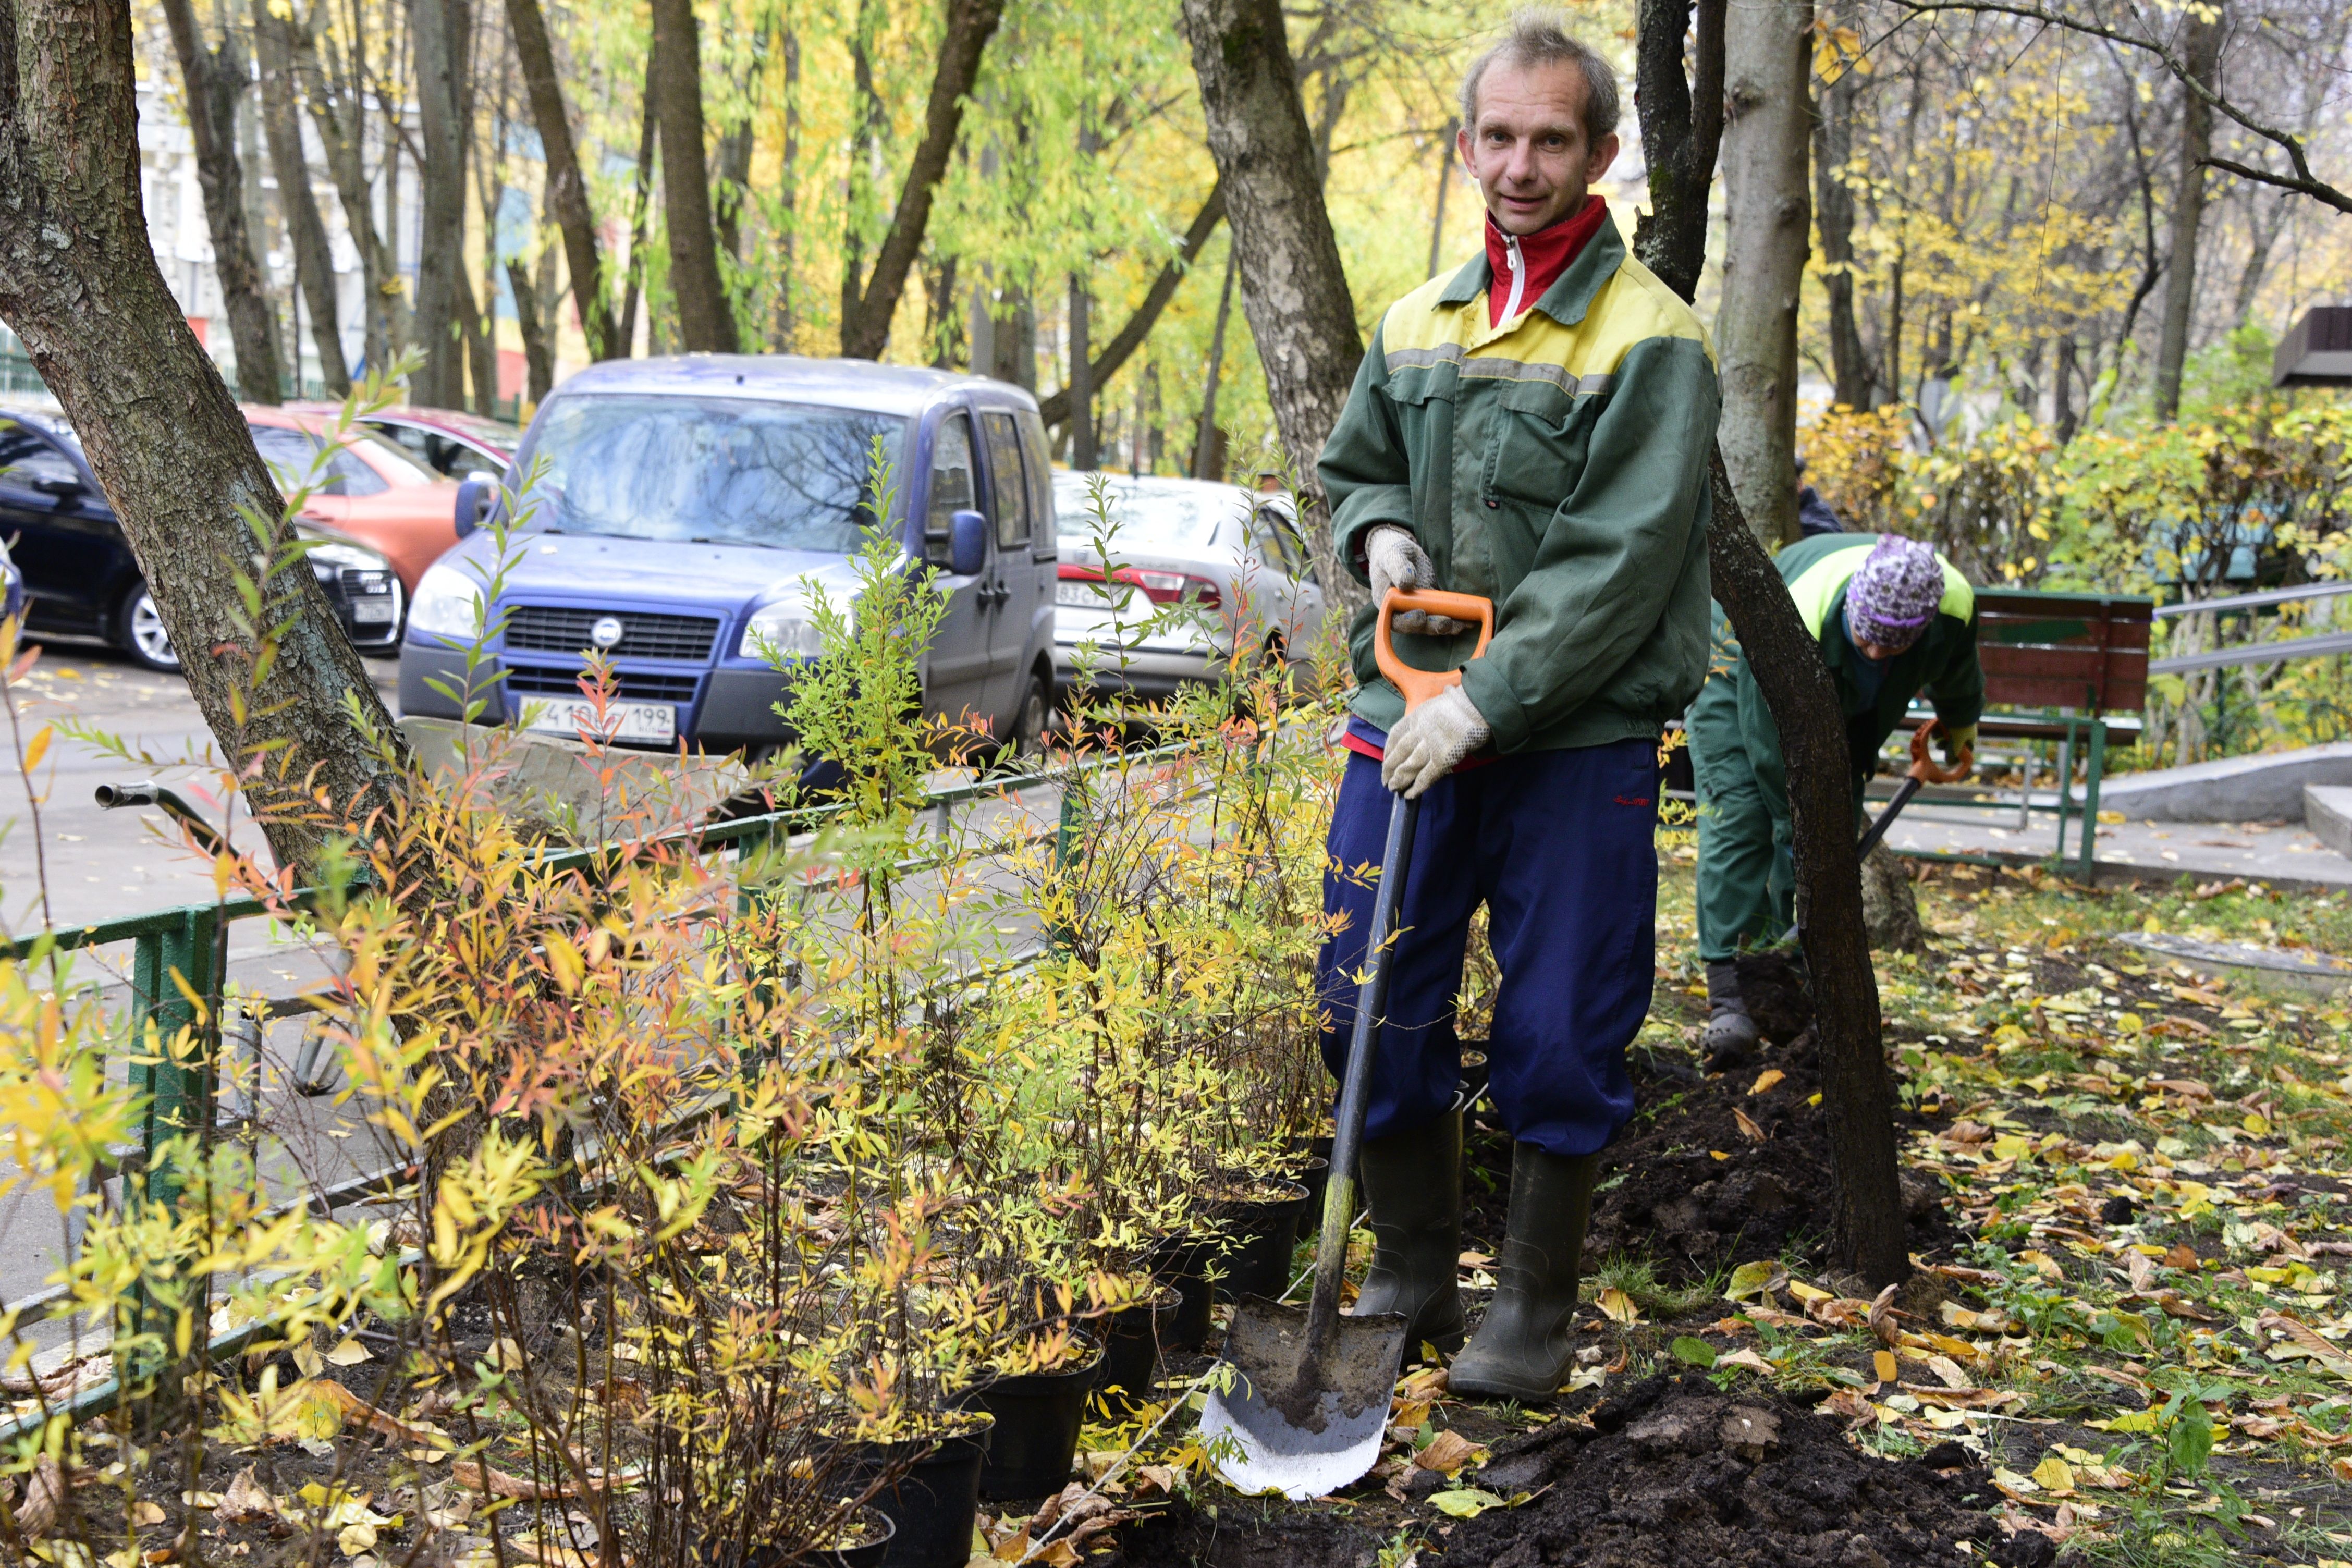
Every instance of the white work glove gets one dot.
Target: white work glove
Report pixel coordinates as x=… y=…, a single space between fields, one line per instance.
x=1394 y=559
x=1429 y=741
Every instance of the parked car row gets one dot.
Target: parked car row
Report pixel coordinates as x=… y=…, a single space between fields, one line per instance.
x=678 y=514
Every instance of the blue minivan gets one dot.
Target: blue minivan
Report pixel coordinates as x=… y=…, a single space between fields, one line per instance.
x=678 y=507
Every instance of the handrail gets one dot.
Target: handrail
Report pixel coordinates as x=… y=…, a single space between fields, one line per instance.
x=2254 y=601
x=2255 y=653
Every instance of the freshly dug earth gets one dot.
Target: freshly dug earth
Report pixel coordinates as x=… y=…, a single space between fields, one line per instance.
x=1672 y=1474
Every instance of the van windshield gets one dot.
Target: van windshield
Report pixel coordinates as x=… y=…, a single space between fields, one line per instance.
x=716 y=471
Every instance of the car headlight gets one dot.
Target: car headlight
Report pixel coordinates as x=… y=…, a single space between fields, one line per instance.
x=781 y=630
x=449 y=602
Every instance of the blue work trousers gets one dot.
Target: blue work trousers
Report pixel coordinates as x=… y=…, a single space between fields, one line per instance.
x=1561 y=847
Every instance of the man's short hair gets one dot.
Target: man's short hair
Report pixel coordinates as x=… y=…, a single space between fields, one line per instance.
x=1539 y=37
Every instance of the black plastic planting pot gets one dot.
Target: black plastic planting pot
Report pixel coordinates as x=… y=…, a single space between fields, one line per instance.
x=1131 y=1342
x=1316 y=1177
x=1264 y=1231
x=1181 y=1262
x=1476 y=1071
x=874 y=1551
x=933 y=1502
x=1036 y=1432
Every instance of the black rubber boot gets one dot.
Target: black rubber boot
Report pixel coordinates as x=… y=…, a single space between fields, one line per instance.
x=1523 y=1348
x=1412 y=1184
x=1730 y=1038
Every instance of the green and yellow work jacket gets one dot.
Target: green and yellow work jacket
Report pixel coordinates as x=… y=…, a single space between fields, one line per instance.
x=1556 y=465
x=1942 y=664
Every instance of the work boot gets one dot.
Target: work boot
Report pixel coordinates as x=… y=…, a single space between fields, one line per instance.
x=1523 y=1348
x=1729 y=1038
x=1412 y=1184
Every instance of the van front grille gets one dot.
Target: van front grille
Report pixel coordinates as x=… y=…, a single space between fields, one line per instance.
x=550 y=628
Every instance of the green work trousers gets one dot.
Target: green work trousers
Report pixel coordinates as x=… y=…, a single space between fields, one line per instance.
x=1747 y=874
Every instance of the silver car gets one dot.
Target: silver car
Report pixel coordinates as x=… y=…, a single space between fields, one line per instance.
x=1232 y=557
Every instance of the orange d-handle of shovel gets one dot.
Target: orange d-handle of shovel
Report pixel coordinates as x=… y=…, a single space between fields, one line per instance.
x=1923 y=768
x=1420 y=685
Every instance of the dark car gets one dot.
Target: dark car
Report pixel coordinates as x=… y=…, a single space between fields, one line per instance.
x=679 y=504
x=83 y=583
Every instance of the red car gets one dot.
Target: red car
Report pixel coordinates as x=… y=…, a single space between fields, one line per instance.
x=452 y=443
x=360 y=484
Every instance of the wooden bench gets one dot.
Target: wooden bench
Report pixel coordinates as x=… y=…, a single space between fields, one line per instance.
x=2067 y=667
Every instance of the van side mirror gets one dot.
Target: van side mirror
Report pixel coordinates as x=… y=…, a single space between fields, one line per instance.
x=967 y=544
x=475 y=499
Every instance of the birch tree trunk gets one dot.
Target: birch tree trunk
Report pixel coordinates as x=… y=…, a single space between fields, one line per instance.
x=314 y=262
x=215 y=81
x=79 y=285
x=1768 y=219
x=1294 y=290
x=2201 y=53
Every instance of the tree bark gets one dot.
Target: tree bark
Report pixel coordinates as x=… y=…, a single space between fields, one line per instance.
x=1857 y=1096
x=305 y=231
x=1833 y=214
x=215 y=81
x=1078 y=397
x=338 y=104
x=79 y=285
x=867 y=307
x=566 y=195
x=1682 y=128
x=442 y=30
x=706 y=318
x=1294 y=289
x=1766 y=220
x=1138 y=326
x=535 y=319
x=2201 y=53
x=1208 y=456
x=640 y=208
x=784 y=335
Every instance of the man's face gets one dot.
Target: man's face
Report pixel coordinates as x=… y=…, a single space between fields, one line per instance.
x=1877 y=652
x=1528 y=150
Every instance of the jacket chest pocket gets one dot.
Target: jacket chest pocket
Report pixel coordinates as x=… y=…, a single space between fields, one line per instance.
x=1536 y=444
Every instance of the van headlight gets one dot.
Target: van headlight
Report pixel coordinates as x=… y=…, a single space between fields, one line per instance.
x=781 y=631
x=449 y=602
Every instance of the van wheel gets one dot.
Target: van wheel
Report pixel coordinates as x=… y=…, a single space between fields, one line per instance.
x=139 y=632
x=1031 y=719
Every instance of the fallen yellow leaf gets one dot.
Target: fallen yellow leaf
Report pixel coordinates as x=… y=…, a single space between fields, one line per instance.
x=1619 y=1306
x=2055 y=1475
x=1882 y=1363
x=1766 y=1079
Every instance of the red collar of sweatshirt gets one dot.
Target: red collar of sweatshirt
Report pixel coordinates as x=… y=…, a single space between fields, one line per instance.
x=1526 y=265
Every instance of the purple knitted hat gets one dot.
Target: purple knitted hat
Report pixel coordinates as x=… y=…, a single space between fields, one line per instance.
x=1893 y=595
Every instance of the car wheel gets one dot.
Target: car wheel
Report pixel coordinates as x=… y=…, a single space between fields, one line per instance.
x=139 y=632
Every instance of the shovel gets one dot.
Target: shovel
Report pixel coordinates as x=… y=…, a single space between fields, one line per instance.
x=1923 y=772
x=1309 y=1388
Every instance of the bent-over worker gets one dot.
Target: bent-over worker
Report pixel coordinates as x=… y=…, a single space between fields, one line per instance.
x=1534 y=429
x=1894 y=619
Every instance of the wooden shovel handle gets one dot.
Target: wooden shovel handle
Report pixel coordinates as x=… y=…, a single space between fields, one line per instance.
x=1420 y=685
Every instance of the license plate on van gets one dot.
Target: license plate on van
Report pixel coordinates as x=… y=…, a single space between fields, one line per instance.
x=654 y=721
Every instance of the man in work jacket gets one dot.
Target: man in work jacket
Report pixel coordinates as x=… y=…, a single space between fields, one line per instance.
x=1533 y=429
x=1893 y=618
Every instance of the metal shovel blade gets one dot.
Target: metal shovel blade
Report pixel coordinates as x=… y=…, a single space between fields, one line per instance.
x=1306 y=1423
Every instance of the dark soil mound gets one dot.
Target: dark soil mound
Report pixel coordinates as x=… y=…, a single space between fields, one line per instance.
x=1242 y=1532
x=1674 y=1474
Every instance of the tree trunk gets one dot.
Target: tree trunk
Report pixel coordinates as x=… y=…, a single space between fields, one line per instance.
x=1445 y=156
x=79 y=285
x=338 y=104
x=1138 y=326
x=305 y=231
x=943 y=329
x=624 y=331
x=1078 y=396
x=784 y=335
x=1833 y=212
x=1766 y=220
x=867 y=308
x=734 y=180
x=2061 y=401
x=442 y=30
x=1682 y=128
x=1857 y=1097
x=537 y=324
x=1889 y=906
x=481 y=348
x=1208 y=457
x=1294 y=289
x=215 y=81
x=706 y=319
x=2201 y=53
x=566 y=195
